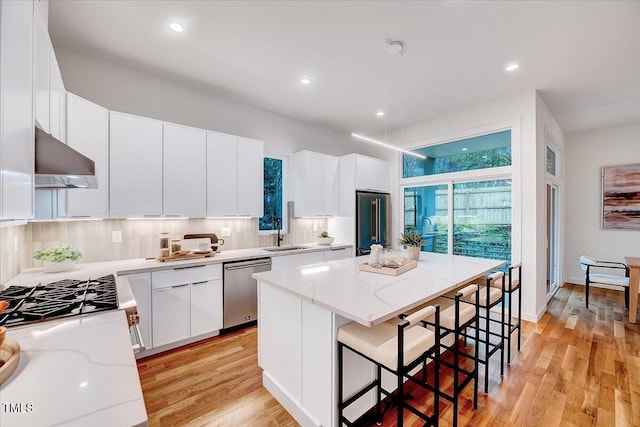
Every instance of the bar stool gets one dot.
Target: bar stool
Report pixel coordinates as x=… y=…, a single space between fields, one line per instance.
x=491 y=295
x=398 y=349
x=456 y=315
x=514 y=281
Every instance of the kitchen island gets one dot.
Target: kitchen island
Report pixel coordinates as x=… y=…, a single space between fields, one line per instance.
x=300 y=310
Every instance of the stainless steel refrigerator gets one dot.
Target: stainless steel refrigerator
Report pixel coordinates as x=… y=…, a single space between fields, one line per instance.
x=373 y=220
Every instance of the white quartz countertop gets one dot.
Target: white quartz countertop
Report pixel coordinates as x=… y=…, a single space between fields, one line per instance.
x=79 y=372
x=372 y=298
x=84 y=271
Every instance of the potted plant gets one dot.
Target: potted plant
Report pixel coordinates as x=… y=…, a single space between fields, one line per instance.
x=58 y=259
x=324 y=238
x=412 y=239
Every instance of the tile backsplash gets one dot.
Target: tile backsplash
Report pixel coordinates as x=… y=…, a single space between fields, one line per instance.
x=12 y=251
x=140 y=238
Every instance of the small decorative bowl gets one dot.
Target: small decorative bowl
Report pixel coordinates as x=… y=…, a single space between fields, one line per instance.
x=325 y=240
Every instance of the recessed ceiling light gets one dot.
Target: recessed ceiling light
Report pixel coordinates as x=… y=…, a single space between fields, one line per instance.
x=175 y=26
x=380 y=113
x=305 y=81
x=512 y=67
x=465 y=149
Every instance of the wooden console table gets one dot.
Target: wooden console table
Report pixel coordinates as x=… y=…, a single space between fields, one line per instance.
x=634 y=277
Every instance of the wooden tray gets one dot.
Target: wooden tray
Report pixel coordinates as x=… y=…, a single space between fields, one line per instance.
x=182 y=257
x=407 y=265
x=10 y=355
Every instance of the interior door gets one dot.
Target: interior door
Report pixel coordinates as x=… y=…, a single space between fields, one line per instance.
x=553 y=281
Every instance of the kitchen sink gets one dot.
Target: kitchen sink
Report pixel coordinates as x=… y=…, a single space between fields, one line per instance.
x=285 y=248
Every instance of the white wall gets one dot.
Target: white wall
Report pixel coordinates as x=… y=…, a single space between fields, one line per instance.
x=141 y=92
x=586 y=154
x=528 y=201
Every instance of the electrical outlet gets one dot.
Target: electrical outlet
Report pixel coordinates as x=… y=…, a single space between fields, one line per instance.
x=225 y=232
x=15 y=244
x=116 y=237
x=315 y=227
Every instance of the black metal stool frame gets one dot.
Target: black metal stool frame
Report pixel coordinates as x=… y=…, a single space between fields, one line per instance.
x=402 y=372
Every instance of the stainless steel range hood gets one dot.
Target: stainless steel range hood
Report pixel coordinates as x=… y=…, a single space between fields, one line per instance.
x=60 y=166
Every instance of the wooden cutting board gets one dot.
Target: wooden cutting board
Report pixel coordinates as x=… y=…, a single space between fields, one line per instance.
x=181 y=257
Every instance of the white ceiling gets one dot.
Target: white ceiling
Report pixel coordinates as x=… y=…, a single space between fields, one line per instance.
x=583 y=56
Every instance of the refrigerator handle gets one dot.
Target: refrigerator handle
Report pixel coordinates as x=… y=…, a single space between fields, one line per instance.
x=375 y=220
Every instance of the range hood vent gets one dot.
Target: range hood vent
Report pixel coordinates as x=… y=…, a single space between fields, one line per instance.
x=60 y=166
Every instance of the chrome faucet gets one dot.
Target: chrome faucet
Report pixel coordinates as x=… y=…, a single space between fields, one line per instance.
x=277 y=221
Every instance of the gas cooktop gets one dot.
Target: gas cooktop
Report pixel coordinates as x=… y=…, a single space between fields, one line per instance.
x=58 y=299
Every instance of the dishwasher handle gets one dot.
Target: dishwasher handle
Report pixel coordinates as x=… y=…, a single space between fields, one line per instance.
x=247 y=264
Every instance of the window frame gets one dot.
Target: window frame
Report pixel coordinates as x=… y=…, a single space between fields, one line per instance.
x=285 y=195
x=476 y=175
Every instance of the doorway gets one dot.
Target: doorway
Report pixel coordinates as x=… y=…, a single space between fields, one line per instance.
x=553 y=276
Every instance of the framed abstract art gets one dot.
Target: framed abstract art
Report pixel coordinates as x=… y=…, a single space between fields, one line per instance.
x=621 y=197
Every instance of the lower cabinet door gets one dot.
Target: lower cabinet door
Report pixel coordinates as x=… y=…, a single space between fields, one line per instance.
x=170 y=314
x=206 y=307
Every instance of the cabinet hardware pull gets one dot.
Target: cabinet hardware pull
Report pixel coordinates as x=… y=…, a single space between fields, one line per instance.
x=200 y=283
x=190 y=266
x=139 y=346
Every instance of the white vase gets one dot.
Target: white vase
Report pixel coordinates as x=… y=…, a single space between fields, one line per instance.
x=56 y=267
x=413 y=252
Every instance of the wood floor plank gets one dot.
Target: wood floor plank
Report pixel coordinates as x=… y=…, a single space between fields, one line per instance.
x=577 y=367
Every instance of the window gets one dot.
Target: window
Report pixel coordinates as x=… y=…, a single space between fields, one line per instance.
x=551 y=161
x=274 y=195
x=482 y=219
x=480 y=152
x=462 y=213
x=425 y=210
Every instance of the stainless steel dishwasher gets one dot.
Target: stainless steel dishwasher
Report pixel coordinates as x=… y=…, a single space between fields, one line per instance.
x=240 y=295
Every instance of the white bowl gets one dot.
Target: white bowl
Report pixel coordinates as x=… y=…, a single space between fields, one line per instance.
x=325 y=240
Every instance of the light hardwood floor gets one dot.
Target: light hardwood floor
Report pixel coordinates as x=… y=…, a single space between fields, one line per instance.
x=577 y=367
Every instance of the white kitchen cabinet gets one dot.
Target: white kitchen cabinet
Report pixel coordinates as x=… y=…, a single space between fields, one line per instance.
x=337 y=253
x=170 y=314
x=41 y=56
x=296 y=260
x=184 y=171
x=316 y=184
x=141 y=288
x=16 y=110
x=54 y=95
x=250 y=177
x=186 y=302
x=206 y=307
x=358 y=172
x=88 y=133
x=222 y=174
x=371 y=174
x=135 y=166
x=235 y=175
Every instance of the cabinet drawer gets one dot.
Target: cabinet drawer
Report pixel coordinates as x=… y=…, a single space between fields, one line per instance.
x=184 y=275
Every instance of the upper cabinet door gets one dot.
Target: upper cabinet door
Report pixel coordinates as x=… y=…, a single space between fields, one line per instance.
x=54 y=95
x=250 y=177
x=331 y=177
x=371 y=174
x=316 y=182
x=88 y=133
x=222 y=174
x=16 y=110
x=135 y=169
x=41 y=70
x=184 y=171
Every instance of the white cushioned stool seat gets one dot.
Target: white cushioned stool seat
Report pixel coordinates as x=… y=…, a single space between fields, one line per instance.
x=380 y=343
x=448 y=312
x=609 y=279
x=495 y=294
